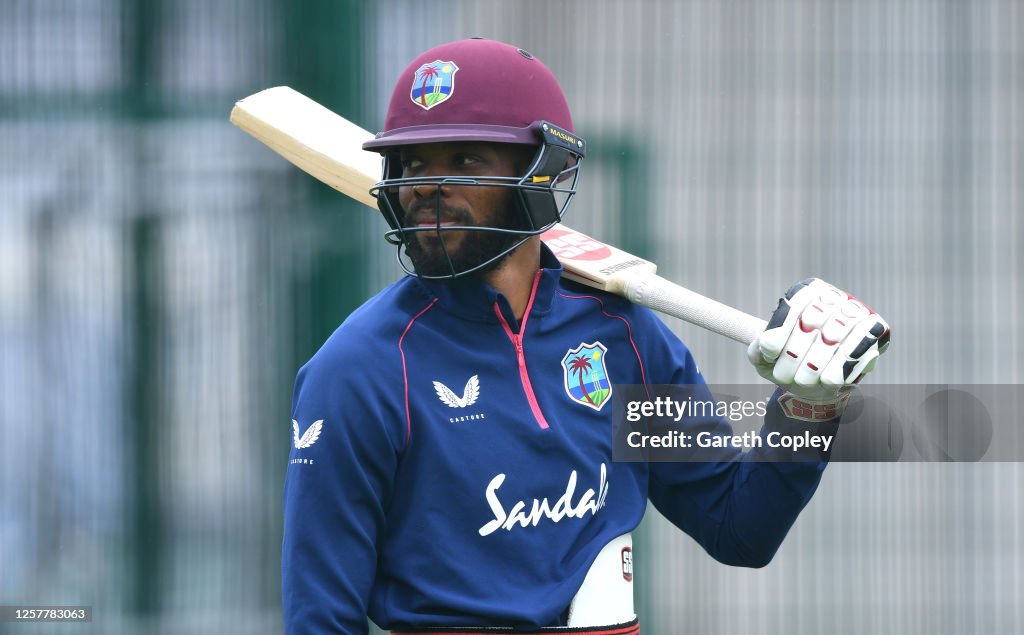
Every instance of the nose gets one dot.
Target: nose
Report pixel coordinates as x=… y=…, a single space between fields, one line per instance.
x=426 y=190
x=432 y=167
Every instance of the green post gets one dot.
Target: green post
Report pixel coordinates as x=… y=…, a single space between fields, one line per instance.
x=140 y=46
x=327 y=60
x=144 y=418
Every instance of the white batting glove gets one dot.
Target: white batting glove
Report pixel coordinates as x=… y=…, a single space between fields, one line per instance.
x=819 y=343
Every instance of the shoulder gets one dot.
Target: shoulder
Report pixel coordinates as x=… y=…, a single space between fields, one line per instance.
x=663 y=353
x=368 y=339
x=356 y=376
x=645 y=321
x=378 y=324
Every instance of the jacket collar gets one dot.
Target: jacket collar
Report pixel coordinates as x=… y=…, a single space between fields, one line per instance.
x=474 y=300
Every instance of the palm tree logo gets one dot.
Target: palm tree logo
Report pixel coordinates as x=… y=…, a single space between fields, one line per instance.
x=585 y=375
x=426 y=74
x=433 y=83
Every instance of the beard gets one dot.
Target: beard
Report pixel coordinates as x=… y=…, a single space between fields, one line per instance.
x=424 y=247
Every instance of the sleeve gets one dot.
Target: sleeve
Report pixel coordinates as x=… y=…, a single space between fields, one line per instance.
x=740 y=508
x=337 y=486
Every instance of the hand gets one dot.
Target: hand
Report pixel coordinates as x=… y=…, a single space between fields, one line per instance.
x=819 y=343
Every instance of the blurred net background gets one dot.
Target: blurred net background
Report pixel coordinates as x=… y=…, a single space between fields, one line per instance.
x=163 y=276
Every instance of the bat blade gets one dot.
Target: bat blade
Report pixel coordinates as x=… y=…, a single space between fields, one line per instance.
x=325 y=145
x=592 y=262
x=329 y=148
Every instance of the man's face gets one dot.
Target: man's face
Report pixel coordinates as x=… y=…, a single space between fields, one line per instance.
x=470 y=205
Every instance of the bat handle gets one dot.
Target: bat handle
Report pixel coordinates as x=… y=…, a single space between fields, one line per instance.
x=657 y=293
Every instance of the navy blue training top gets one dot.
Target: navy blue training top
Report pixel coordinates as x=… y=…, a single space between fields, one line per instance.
x=433 y=435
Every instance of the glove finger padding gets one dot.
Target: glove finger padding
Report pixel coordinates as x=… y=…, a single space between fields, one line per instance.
x=793 y=329
x=819 y=342
x=859 y=351
x=772 y=341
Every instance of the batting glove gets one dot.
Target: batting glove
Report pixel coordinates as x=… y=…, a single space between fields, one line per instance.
x=819 y=343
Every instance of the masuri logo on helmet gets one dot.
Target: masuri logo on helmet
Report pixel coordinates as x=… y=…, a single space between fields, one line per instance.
x=505 y=95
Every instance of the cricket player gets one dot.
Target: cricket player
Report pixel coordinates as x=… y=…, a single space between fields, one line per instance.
x=451 y=468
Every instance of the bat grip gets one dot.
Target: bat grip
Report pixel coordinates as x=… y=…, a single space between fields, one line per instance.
x=659 y=294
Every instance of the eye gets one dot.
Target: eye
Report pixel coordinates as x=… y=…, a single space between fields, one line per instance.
x=466 y=160
x=410 y=164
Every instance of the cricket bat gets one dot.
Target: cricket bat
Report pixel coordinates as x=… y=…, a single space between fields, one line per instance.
x=329 y=148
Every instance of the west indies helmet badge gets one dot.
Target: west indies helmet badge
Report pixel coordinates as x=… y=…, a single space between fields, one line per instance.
x=585 y=375
x=433 y=84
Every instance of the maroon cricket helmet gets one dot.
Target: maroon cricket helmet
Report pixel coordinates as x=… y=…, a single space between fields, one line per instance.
x=479 y=91
x=472 y=90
